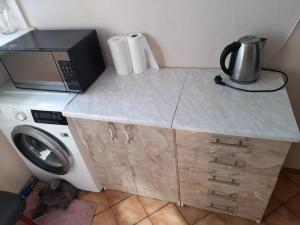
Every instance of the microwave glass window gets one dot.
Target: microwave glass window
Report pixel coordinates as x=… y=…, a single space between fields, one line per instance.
x=37 y=68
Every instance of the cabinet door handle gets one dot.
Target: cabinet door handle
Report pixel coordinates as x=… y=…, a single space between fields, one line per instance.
x=128 y=136
x=232 y=181
x=236 y=163
x=112 y=130
x=239 y=144
x=223 y=208
x=231 y=196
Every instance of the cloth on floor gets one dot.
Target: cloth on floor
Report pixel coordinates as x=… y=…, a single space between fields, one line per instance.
x=79 y=212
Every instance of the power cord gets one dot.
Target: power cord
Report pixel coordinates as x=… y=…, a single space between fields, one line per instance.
x=218 y=80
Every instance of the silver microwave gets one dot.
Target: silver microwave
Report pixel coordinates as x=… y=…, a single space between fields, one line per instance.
x=59 y=60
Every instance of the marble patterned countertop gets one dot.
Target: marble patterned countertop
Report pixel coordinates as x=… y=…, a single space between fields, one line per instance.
x=205 y=106
x=147 y=99
x=189 y=99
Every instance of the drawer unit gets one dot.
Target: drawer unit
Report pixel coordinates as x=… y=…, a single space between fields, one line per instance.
x=233 y=193
x=226 y=174
x=250 y=155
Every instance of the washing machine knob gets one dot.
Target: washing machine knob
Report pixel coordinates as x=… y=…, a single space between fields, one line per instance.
x=21 y=116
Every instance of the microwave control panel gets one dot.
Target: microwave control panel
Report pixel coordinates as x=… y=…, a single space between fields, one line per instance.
x=69 y=75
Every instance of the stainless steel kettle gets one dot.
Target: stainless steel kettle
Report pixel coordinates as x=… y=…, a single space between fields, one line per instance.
x=246 y=59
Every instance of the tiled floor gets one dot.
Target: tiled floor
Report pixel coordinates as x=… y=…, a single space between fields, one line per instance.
x=118 y=208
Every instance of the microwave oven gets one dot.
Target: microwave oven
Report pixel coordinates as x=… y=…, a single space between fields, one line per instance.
x=58 y=60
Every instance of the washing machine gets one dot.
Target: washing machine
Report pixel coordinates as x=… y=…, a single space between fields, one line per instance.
x=33 y=123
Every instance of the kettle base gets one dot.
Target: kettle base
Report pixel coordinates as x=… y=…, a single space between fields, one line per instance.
x=243 y=82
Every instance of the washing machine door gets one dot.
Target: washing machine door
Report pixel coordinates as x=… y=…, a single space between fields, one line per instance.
x=42 y=149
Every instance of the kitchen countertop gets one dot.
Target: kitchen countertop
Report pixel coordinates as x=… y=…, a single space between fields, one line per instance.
x=207 y=107
x=148 y=99
x=189 y=99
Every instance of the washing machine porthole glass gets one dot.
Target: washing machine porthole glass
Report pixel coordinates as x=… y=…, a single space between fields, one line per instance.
x=42 y=149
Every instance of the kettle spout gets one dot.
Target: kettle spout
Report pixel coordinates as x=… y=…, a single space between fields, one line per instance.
x=263 y=41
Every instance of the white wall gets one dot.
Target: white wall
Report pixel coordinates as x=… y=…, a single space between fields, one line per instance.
x=181 y=32
x=13 y=172
x=288 y=60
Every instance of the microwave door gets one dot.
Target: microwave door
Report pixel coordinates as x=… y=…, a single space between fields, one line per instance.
x=35 y=70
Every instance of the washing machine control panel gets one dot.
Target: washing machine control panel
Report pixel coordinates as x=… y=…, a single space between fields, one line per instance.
x=21 y=116
x=14 y=114
x=49 y=117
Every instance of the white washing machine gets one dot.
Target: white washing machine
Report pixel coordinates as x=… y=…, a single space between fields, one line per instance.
x=33 y=123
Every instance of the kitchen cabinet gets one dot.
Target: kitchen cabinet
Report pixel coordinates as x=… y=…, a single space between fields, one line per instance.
x=131 y=158
x=221 y=173
x=227 y=174
x=162 y=150
x=107 y=153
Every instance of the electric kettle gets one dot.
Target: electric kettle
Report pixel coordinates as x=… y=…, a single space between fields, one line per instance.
x=245 y=60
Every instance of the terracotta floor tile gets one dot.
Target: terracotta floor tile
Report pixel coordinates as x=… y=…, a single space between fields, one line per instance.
x=39 y=185
x=151 y=205
x=273 y=204
x=97 y=198
x=104 y=218
x=295 y=177
x=263 y=223
x=232 y=220
x=282 y=216
x=145 y=221
x=212 y=219
x=168 y=215
x=115 y=197
x=294 y=205
x=129 y=211
x=285 y=189
x=82 y=193
x=191 y=214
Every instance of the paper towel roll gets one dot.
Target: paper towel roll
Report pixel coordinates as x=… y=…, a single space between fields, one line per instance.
x=141 y=53
x=120 y=53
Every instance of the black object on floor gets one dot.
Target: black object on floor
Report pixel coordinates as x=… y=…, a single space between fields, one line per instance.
x=11 y=209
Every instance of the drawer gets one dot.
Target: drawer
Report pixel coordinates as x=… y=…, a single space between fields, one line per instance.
x=251 y=208
x=250 y=155
x=241 y=194
x=208 y=202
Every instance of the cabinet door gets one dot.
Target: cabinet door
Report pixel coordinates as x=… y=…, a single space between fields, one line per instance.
x=106 y=144
x=153 y=159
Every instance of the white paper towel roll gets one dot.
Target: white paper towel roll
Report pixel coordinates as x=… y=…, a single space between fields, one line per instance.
x=141 y=53
x=120 y=53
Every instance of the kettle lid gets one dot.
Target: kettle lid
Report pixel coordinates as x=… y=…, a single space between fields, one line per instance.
x=249 y=39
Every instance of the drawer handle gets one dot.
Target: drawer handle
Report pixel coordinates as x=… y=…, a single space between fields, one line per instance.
x=236 y=163
x=222 y=208
x=231 y=196
x=112 y=130
x=128 y=136
x=239 y=145
x=232 y=181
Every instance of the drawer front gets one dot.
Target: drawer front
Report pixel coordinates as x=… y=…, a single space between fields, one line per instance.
x=250 y=155
x=233 y=193
x=207 y=202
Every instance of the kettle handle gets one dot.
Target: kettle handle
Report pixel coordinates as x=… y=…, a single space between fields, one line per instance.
x=232 y=48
